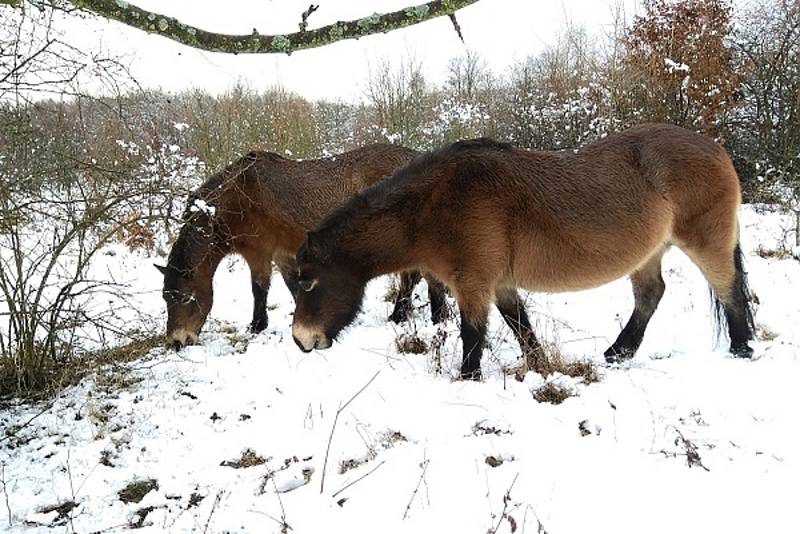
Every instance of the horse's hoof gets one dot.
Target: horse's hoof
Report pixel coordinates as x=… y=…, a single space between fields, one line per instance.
x=742 y=350
x=471 y=375
x=618 y=354
x=258 y=326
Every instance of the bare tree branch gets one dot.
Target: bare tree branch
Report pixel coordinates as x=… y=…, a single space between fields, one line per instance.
x=254 y=43
x=456 y=26
x=307 y=13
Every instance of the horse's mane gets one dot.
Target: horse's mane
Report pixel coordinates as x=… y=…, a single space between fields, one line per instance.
x=388 y=189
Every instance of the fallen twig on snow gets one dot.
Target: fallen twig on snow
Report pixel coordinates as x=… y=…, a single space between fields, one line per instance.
x=424 y=466
x=333 y=428
x=362 y=477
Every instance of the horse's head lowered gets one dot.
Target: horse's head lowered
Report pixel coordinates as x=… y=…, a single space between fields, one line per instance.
x=188 y=304
x=328 y=298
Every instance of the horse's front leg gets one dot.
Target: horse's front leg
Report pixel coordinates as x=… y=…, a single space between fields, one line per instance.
x=288 y=268
x=405 y=293
x=260 y=263
x=473 y=337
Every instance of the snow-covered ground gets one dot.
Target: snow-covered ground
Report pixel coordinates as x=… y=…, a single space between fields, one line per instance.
x=416 y=451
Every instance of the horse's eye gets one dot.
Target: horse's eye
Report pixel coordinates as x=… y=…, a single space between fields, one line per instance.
x=177 y=295
x=307 y=285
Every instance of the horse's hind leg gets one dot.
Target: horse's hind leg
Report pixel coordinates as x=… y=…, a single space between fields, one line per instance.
x=436 y=296
x=723 y=268
x=512 y=309
x=403 y=301
x=648 y=288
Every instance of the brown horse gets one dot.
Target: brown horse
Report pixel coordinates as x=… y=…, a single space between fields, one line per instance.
x=260 y=207
x=485 y=218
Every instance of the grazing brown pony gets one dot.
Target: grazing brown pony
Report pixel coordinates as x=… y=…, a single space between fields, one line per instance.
x=260 y=207
x=486 y=218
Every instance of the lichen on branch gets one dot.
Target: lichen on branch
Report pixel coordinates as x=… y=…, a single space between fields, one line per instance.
x=255 y=43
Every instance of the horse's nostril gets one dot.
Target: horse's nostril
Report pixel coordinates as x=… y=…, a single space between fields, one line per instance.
x=176 y=345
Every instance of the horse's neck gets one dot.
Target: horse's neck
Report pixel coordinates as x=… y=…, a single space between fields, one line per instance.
x=204 y=255
x=390 y=252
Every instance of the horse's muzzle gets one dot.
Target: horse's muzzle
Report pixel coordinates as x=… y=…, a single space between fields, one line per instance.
x=181 y=338
x=307 y=339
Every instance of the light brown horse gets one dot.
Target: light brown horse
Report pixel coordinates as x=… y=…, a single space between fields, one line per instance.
x=486 y=218
x=260 y=207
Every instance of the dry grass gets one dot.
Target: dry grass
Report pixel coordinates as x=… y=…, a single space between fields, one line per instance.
x=548 y=359
x=385 y=441
x=249 y=458
x=411 y=343
x=51 y=377
x=552 y=393
x=765 y=334
x=392 y=291
x=776 y=253
x=136 y=490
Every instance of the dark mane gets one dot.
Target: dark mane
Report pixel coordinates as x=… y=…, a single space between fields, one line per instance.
x=481 y=142
x=417 y=172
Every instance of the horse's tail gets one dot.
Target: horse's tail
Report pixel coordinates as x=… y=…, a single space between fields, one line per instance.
x=740 y=298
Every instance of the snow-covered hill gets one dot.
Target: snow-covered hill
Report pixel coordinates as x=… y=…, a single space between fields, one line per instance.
x=233 y=435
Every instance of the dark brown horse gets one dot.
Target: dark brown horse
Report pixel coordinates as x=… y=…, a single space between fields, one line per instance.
x=486 y=218
x=260 y=207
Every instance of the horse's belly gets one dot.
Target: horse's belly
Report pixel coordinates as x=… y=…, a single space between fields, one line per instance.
x=556 y=265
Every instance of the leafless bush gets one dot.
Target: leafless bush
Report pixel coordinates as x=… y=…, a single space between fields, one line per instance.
x=399 y=103
x=70 y=186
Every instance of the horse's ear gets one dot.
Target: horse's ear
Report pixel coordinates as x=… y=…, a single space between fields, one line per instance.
x=161 y=268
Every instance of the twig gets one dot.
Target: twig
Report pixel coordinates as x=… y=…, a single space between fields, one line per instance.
x=362 y=477
x=285 y=527
x=539 y=526
x=72 y=491
x=5 y=490
x=333 y=428
x=692 y=455
x=456 y=26
x=504 y=513
x=265 y=514
x=307 y=13
x=213 y=509
x=424 y=466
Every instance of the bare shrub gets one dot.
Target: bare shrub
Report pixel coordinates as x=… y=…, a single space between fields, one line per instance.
x=411 y=344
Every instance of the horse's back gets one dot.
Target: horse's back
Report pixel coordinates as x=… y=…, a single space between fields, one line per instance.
x=578 y=218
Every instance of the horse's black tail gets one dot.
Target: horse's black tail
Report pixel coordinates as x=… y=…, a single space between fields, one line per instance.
x=737 y=313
